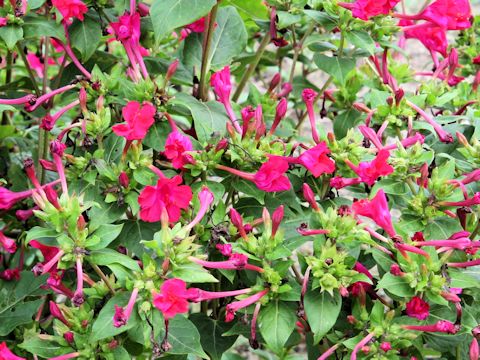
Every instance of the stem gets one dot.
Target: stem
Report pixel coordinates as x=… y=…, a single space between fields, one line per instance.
x=103 y=277
x=29 y=69
x=251 y=68
x=475 y=232
x=42 y=133
x=8 y=79
x=202 y=88
x=297 y=49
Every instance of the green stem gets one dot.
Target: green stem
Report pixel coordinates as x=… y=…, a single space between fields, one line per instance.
x=8 y=79
x=297 y=50
x=475 y=232
x=42 y=133
x=251 y=68
x=202 y=88
x=29 y=69
x=411 y=185
x=103 y=277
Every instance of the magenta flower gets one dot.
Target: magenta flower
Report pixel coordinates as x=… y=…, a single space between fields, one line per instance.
x=448 y=14
x=369 y=172
x=206 y=198
x=6 y=354
x=225 y=249
x=8 y=244
x=166 y=194
x=339 y=182
x=172 y=298
x=365 y=9
x=233 y=307
x=9 y=198
x=377 y=210
x=418 y=308
x=70 y=9
x=441 y=326
x=175 y=147
x=139 y=119
x=316 y=160
x=309 y=96
x=220 y=81
x=235 y=262
x=123 y=314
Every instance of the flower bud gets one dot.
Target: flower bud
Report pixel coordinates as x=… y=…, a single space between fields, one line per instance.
x=172 y=68
x=462 y=139
x=474 y=350
x=68 y=336
x=309 y=196
x=385 y=346
x=286 y=89
x=123 y=179
x=57 y=147
x=222 y=145
x=274 y=83
x=81 y=224
x=399 y=94
x=277 y=218
x=82 y=96
x=236 y=218
x=57 y=313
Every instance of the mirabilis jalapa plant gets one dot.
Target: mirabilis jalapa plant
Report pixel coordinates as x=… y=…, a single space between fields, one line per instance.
x=163 y=196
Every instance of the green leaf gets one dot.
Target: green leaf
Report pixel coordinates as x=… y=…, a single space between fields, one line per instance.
x=460 y=279
x=85 y=36
x=11 y=34
x=250 y=189
x=109 y=256
x=107 y=233
x=322 y=311
x=103 y=326
x=104 y=214
x=209 y=117
x=38 y=232
x=276 y=324
x=135 y=231
x=441 y=228
x=157 y=135
x=229 y=40
x=13 y=310
x=211 y=335
x=338 y=67
x=395 y=285
x=193 y=273
x=361 y=39
x=35 y=26
x=45 y=348
x=171 y=14
x=345 y=121
x=327 y=21
x=183 y=336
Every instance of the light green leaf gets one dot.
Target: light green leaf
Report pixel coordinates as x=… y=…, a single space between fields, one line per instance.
x=338 y=67
x=11 y=34
x=361 y=39
x=193 y=273
x=107 y=233
x=396 y=285
x=107 y=256
x=45 y=348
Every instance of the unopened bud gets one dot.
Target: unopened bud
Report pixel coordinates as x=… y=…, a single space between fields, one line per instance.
x=274 y=83
x=123 y=179
x=83 y=99
x=309 y=196
x=172 y=68
x=68 y=336
x=277 y=218
x=222 y=145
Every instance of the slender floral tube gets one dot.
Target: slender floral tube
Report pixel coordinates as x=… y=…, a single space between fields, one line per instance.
x=78 y=297
x=66 y=356
x=226 y=265
x=18 y=101
x=198 y=295
x=442 y=134
x=361 y=344
x=329 y=352
x=122 y=315
x=52 y=262
x=233 y=307
x=49 y=95
x=464 y=264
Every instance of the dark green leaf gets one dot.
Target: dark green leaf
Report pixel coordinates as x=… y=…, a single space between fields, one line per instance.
x=36 y=25
x=110 y=256
x=276 y=324
x=45 y=348
x=85 y=36
x=361 y=39
x=396 y=285
x=171 y=14
x=107 y=233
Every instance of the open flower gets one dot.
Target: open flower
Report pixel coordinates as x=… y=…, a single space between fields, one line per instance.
x=139 y=118
x=316 y=160
x=365 y=9
x=70 y=9
x=175 y=147
x=369 y=172
x=8 y=244
x=377 y=210
x=6 y=354
x=418 y=308
x=166 y=194
x=271 y=175
x=172 y=298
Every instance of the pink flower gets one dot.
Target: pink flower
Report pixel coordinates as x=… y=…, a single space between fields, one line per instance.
x=385 y=346
x=3 y=21
x=369 y=172
x=167 y=194
x=225 y=249
x=377 y=210
x=35 y=64
x=309 y=96
x=474 y=350
x=122 y=315
x=339 y=182
x=70 y=9
x=271 y=175
x=8 y=243
x=220 y=81
x=365 y=9
x=441 y=326
x=418 y=308
x=449 y=14
x=10 y=198
x=434 y=38
x=172 y=298
x=6 y=354
x=206 y=198
x=127 y=28
x=197 y=26
x=10 y=274
x=175 y=147
x=139 y=118
x=316 y=160
x=233 y=307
